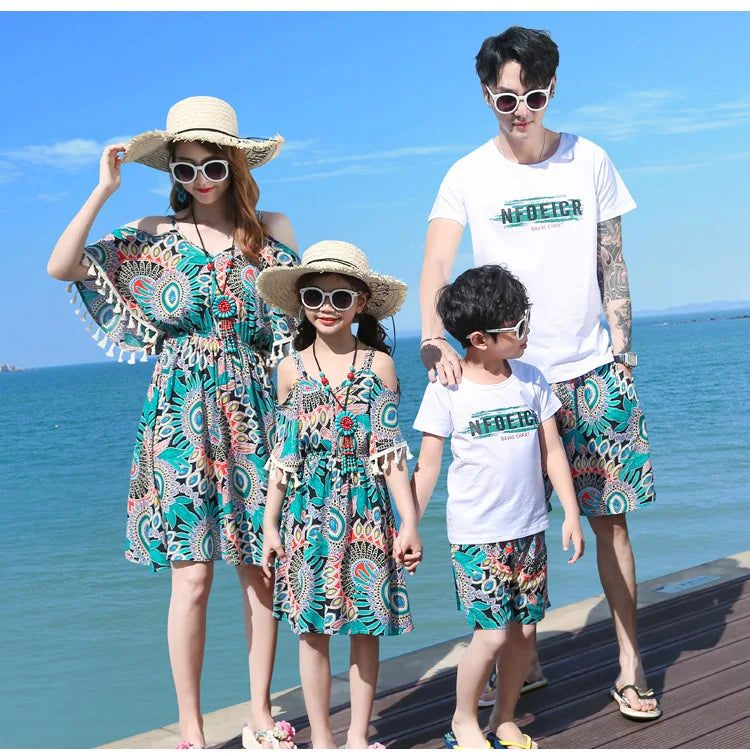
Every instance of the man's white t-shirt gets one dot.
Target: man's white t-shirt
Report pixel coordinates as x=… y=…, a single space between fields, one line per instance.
x=541 y=222
x=495 y=487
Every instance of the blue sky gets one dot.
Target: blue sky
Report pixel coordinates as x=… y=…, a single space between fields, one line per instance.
x=375 y=107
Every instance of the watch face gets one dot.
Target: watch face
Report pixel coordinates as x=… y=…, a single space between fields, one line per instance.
x=629 y=359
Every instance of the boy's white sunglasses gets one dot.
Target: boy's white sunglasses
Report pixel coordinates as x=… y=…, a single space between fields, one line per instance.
x=507 y=102
x=212 y=170
x=520 y=329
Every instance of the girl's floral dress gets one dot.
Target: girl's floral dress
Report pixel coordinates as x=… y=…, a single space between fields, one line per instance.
x=337 y=524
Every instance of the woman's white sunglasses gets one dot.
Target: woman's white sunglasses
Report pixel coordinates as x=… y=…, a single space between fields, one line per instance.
x=212 y=170
x=520 y=329
x=507 y=102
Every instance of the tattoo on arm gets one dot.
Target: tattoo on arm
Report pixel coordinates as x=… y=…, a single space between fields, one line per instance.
x=612 y=276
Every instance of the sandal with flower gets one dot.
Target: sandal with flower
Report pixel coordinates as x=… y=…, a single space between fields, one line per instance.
x=281 y=732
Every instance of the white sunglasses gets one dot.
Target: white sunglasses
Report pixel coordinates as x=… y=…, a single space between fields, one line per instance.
x=212 y=170
x=520 y=329
x=314 y=298
x=507 y=102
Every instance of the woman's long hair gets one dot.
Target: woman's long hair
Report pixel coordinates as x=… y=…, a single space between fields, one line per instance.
x=369 y=330
x=249 y=232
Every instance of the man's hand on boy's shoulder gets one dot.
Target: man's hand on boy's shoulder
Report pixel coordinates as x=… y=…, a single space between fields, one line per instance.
x=571 y=531
x=441 y=360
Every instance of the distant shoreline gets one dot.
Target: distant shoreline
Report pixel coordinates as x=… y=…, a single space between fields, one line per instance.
x=701 y=320
x=646 y=315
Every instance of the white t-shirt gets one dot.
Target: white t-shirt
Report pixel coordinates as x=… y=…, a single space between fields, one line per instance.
x=541 y=222
x=495 y=487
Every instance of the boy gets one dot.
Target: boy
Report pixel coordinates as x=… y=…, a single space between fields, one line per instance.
x=501 y=419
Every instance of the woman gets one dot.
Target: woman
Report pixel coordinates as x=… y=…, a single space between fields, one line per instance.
x=183 y=287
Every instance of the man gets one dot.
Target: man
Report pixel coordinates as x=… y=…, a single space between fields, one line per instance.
x=548 y=206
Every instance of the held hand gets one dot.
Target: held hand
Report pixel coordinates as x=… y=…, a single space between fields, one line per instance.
x=571 y=531
x=109 y=168
x=410 y=548
x=272 y=550
x=442 y=361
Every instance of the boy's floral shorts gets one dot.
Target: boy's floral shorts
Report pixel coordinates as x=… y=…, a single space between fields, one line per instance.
x=503 y=582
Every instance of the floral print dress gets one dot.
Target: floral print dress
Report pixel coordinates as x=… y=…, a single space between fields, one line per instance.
x=198 y=480
x=337 y=523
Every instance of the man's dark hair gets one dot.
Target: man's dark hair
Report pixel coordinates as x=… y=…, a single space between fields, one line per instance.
x=532 y=48
x=486 y=297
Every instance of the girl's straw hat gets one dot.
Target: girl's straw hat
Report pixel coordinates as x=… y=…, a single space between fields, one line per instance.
x=199 y=119
x=278 y=285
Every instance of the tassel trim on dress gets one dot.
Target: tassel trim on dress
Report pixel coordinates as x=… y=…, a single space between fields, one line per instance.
x=277 y=471
x=400 y=452
x=132 y=320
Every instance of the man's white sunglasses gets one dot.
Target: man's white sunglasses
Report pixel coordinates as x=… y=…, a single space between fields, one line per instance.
x=507 y=102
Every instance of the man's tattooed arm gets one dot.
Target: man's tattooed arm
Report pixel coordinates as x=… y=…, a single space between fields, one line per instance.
x=613 y=283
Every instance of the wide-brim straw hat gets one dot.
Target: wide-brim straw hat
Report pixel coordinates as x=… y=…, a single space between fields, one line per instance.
x=279 y=285
x=199 y=119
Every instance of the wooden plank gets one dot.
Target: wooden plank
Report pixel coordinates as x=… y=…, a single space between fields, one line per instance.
x=682 y=706
x=695 y=647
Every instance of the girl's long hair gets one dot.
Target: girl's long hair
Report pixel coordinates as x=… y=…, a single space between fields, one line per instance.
x=249 y=232
x=369 y=330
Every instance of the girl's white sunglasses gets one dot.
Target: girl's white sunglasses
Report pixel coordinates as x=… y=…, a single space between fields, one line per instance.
x=520 y=329
x=314 y=298
x=507 y=102
x=212 y=170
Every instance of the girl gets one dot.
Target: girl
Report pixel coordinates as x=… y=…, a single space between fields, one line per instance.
x=183 y=287
x=337 y=440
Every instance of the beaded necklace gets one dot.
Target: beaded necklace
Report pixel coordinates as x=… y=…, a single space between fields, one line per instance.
x=346 y=422
x=223 y=306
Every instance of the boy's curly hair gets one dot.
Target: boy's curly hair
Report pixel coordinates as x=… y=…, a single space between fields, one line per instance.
x=480 y=298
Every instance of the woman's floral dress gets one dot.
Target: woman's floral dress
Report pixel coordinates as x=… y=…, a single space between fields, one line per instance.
x=337 y=524
x=198 y=480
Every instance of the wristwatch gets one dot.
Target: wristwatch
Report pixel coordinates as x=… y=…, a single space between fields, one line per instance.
x=629 y=359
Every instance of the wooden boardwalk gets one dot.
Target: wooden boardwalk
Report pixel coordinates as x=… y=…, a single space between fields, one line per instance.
x=696 y=648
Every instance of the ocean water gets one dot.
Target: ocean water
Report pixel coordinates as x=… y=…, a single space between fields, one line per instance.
x=83 y=631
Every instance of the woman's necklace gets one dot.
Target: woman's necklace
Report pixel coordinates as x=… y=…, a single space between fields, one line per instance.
x=223 y=306
x=346 y=422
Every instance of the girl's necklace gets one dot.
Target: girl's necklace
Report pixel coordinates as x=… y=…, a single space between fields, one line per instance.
x=223 y=306
x=346 y=422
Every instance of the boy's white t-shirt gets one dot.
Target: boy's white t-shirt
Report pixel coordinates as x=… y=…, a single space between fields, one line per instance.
x=495 y=486
x=541 y=221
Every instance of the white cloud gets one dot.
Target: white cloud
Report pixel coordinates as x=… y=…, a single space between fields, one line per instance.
x=395 y=153
x=71 y=153
x=682 y=167
x=655 y=111
x=52 y=196
x=8 y=171
x=359 y=170
x=297 y=145
x=162 y=191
